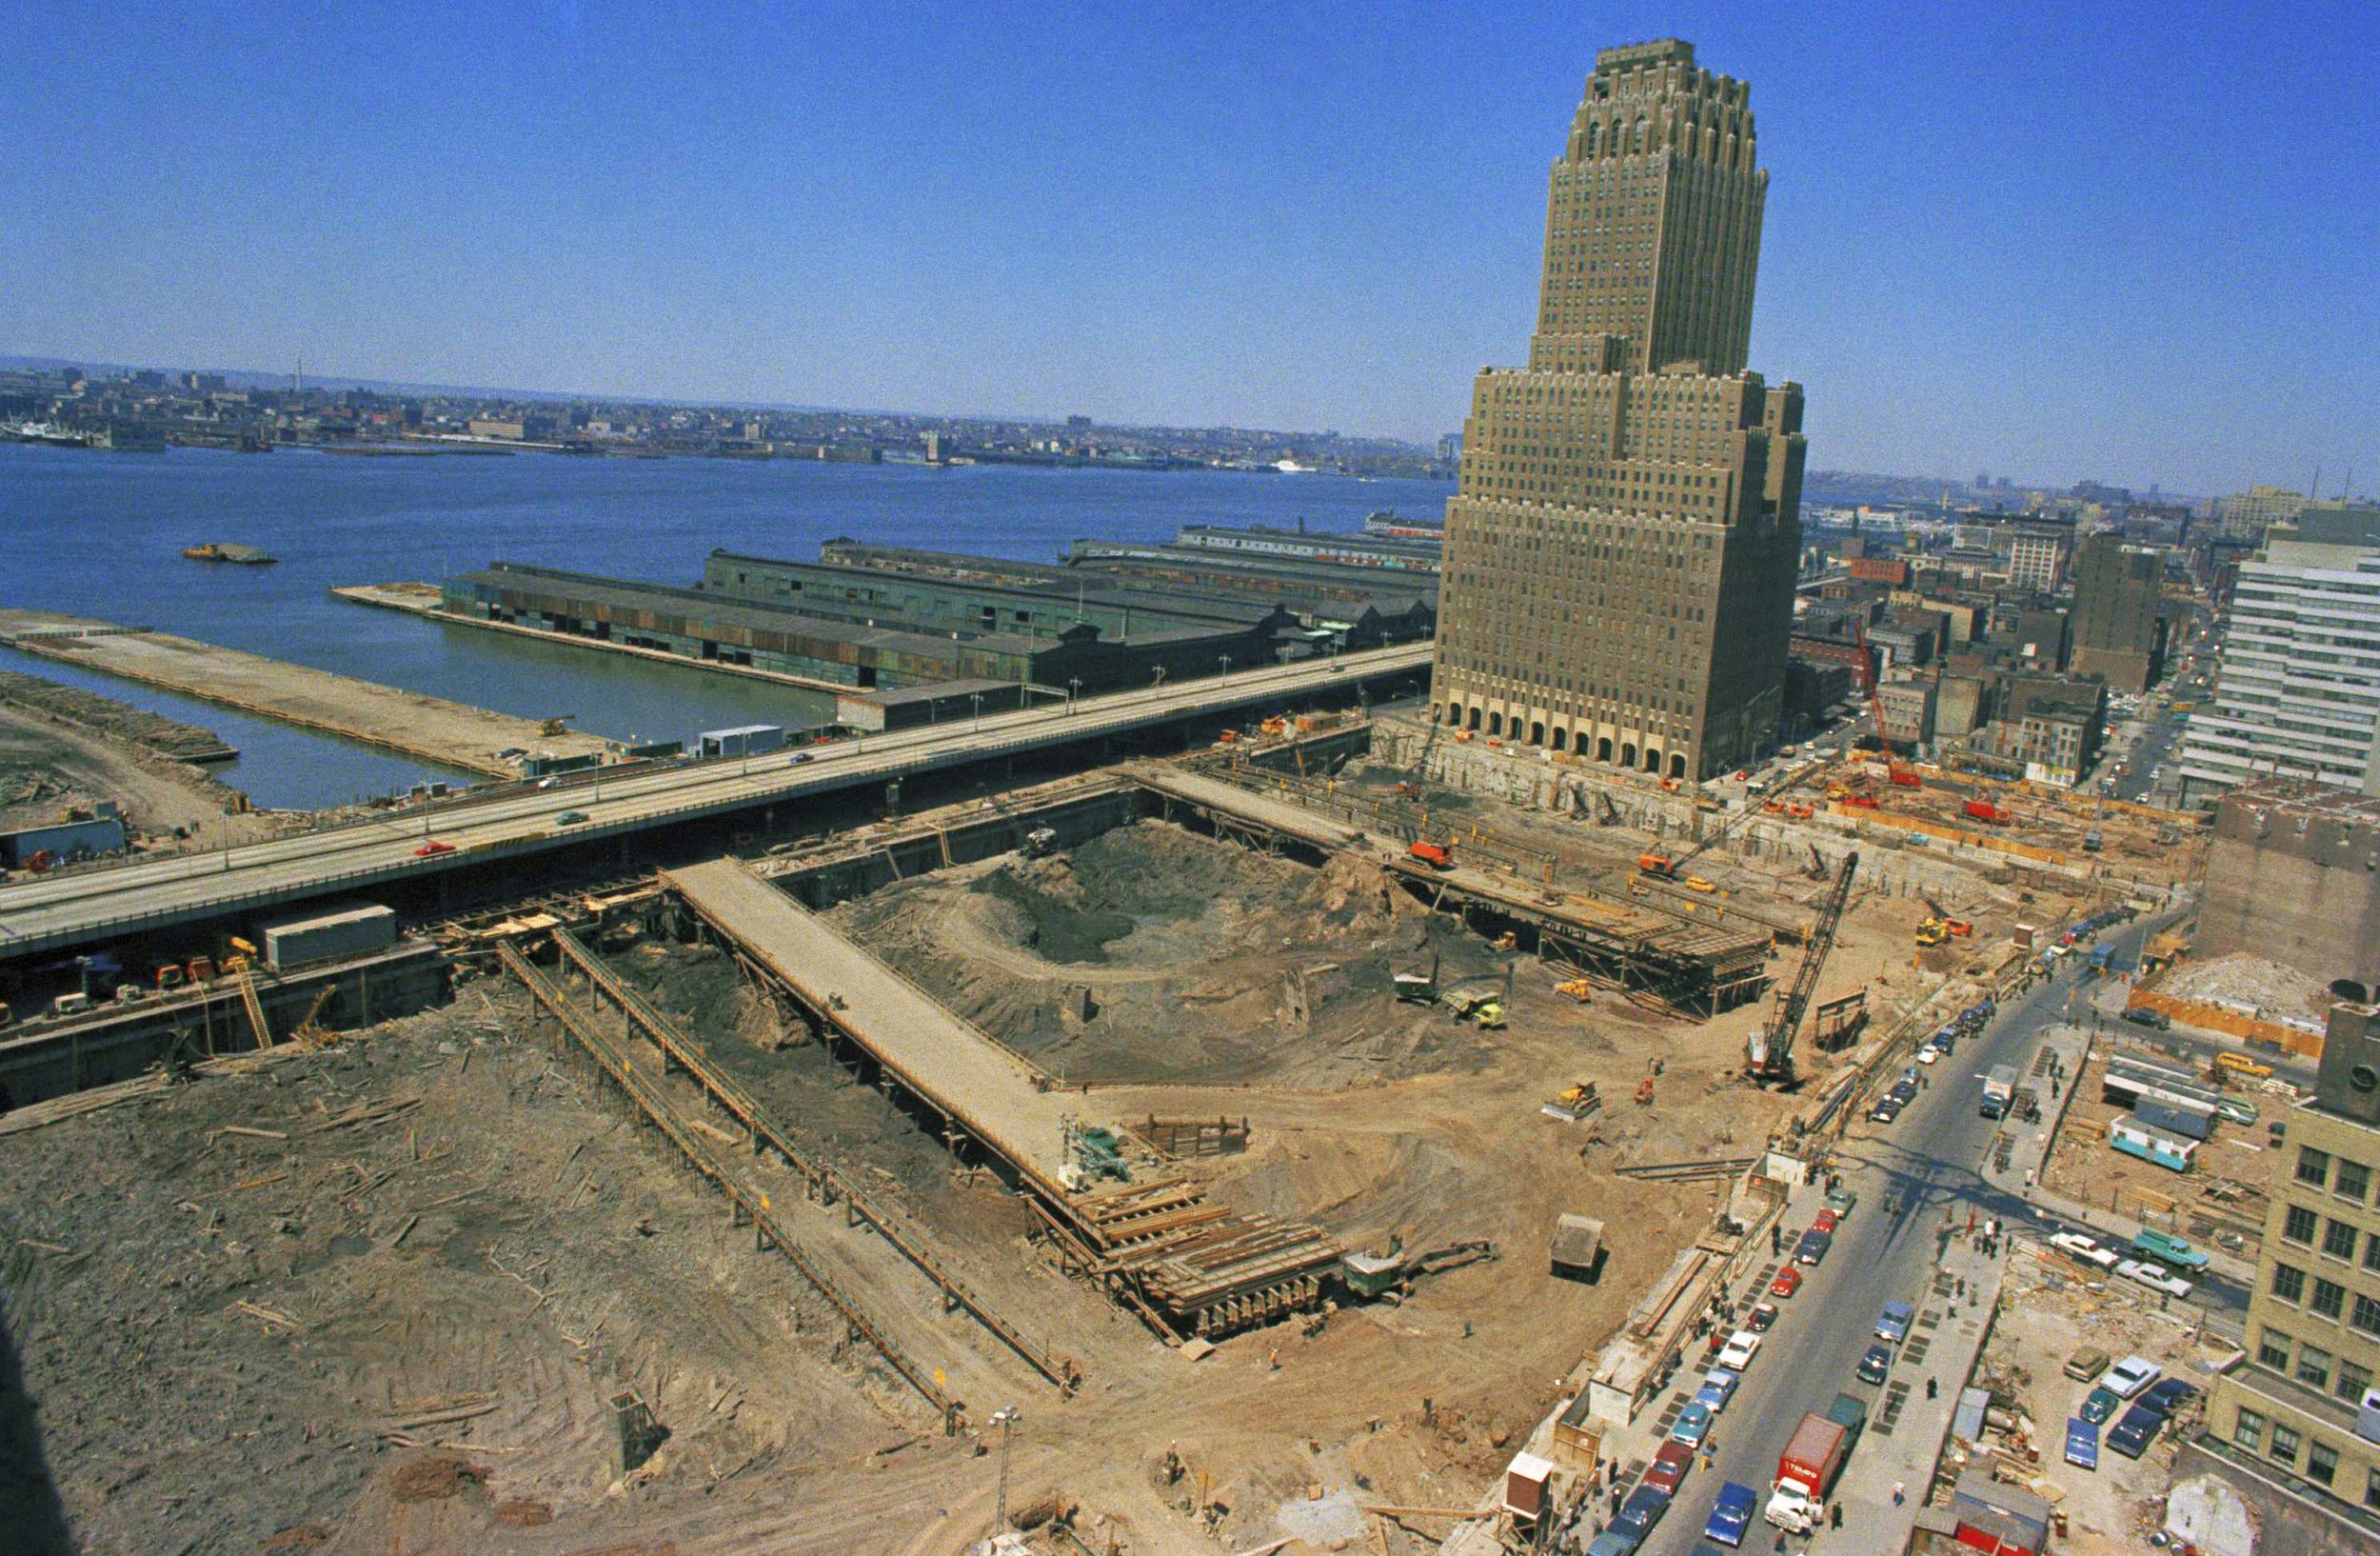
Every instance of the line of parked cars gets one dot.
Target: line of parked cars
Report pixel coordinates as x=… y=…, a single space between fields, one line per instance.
x=1731 y=1517
x=2150 y=1400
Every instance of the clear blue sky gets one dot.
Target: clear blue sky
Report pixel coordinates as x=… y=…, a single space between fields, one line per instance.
x=2136 y=243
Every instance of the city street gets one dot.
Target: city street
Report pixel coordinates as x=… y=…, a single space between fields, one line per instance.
x=1929 y=1163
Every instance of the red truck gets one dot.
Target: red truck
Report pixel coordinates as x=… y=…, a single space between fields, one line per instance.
x=1805 y=1473
x=1436 y=855
x=1986 y=810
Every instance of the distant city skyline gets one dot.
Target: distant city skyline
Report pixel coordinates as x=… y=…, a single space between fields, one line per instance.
x=1992 y=257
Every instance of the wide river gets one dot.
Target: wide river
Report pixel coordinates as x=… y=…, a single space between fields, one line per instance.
x=101 y=535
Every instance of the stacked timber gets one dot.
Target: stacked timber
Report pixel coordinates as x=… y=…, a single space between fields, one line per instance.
x=1204 y=1268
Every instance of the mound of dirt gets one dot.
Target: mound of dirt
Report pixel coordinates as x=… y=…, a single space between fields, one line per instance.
x=434 y=1477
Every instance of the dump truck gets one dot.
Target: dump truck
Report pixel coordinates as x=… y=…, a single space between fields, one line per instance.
x=1805 y=1473
x=1986 y=810
x=1436 y=855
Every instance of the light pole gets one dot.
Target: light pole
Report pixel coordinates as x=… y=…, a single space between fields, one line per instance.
x=979 y=709
x=1224 y=660
x=1007 y=1419
x=1074 y=691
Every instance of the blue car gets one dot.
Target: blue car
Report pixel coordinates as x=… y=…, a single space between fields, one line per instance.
x=1642 y=1509
x=2082 y=1444
x=1731 y=1516
x=1614 y=1543
x=1694 y=1424
x=1893 y=1324
x=2131 y=1436
x=1718 y=1386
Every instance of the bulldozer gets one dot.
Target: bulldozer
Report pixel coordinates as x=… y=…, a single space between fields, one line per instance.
x=560 y=724
x=1577 y=988
x=1573 y=1102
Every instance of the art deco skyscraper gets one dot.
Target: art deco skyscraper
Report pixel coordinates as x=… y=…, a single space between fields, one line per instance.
x=1621 y=551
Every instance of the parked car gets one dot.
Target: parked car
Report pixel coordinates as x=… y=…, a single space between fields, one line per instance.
x=2169 y=1395
x=1929 y=1055
x=1840 y=1201
x=1788 y=1282
x=2085 y=1248
x=1617 y=1543
x=1731 y=1516
x=1668 y=1470
x=1893 y=1324
x=1642 y=1509
x=2086 y=1364
x=2155 y=1277
x=1694 y=1424
x=1812 y=1249
x=2100 y=1404
x=2082 y=1444
x=2236 y=1109
x=1718 y=1386
x=1741 y=1348
x=1885 y=1112
x=2131 y=1436
x=2132 y=1375
x=2143 y=1016
x=1762 y=1318
x=1876 y=1363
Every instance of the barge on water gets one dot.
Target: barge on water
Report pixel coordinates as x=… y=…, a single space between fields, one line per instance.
x=212 y=550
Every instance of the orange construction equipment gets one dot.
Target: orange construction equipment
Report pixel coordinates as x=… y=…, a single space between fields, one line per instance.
x=1655 y=864
x=1436 y=855
x=1644 y=1092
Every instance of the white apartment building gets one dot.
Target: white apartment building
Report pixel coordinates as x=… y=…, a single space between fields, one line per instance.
x=2037 y=562
x=2298 y=689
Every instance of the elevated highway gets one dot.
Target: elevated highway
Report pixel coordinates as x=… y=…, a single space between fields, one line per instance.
x=97 y=905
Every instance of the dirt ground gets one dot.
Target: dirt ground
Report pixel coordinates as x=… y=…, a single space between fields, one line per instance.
x=47 y=767
x=2050 y=1310
x=447 y=1237
x=2223 y=1194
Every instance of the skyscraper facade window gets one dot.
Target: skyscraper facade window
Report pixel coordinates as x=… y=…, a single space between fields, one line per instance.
x=1621 y=550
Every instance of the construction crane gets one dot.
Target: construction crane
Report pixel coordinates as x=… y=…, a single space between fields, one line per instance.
x=1868 y=684
x=1769 y=1055
x=1667 y=868
x=1894 y=769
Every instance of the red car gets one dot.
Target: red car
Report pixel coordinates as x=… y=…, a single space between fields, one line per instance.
x=1669 y=1468
x=1762 y=1318
x=432 y=848
x=1788 y=1282
x=1827 y=1221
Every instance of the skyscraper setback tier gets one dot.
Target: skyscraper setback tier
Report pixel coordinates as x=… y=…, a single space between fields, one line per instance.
x=1620 y=554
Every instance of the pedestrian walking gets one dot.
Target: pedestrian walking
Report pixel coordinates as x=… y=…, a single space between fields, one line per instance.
x=1900 y=1493
x=1834 y=1516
